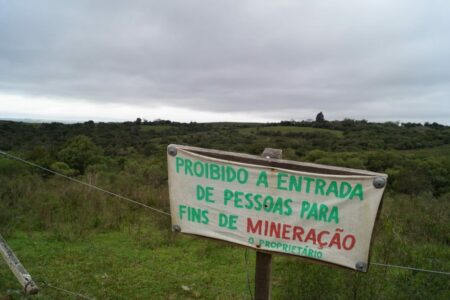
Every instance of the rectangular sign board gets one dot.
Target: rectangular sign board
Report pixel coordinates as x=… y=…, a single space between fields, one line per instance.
x=315 y=211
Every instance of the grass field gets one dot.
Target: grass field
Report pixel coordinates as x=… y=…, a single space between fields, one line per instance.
x=129 y=265
x=148 y=261
x=427 y=152
x=291 y=129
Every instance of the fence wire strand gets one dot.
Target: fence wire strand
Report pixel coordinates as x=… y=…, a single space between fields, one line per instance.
x=11 y=156
x=411 y=268
x=78 y=295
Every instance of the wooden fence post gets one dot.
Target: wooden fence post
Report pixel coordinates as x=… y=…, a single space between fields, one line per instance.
x=17 y=268
x=263 y=268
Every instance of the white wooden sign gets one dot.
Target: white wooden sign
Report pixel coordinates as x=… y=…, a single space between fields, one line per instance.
x=314 y=211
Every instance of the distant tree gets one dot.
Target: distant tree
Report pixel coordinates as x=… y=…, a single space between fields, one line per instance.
x=80 y=152
x=320 y=117
x=138 y=121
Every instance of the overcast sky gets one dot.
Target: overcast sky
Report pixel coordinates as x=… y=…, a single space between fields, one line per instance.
x=225 y=60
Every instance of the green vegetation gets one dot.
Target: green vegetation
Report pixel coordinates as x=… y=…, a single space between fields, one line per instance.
x=289 y=130
x=156 y=128
x=83 y=240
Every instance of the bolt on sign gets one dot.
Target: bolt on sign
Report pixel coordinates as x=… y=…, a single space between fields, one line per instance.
x=315 y=211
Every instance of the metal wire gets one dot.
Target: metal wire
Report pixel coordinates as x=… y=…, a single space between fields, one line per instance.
x=78 y=295
x=411 y=268
x=83 y=183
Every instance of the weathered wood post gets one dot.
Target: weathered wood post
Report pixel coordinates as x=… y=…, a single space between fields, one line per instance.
x=263 y=271
x=17 y=268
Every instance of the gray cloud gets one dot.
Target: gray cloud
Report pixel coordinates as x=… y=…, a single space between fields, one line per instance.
x=362 y=59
